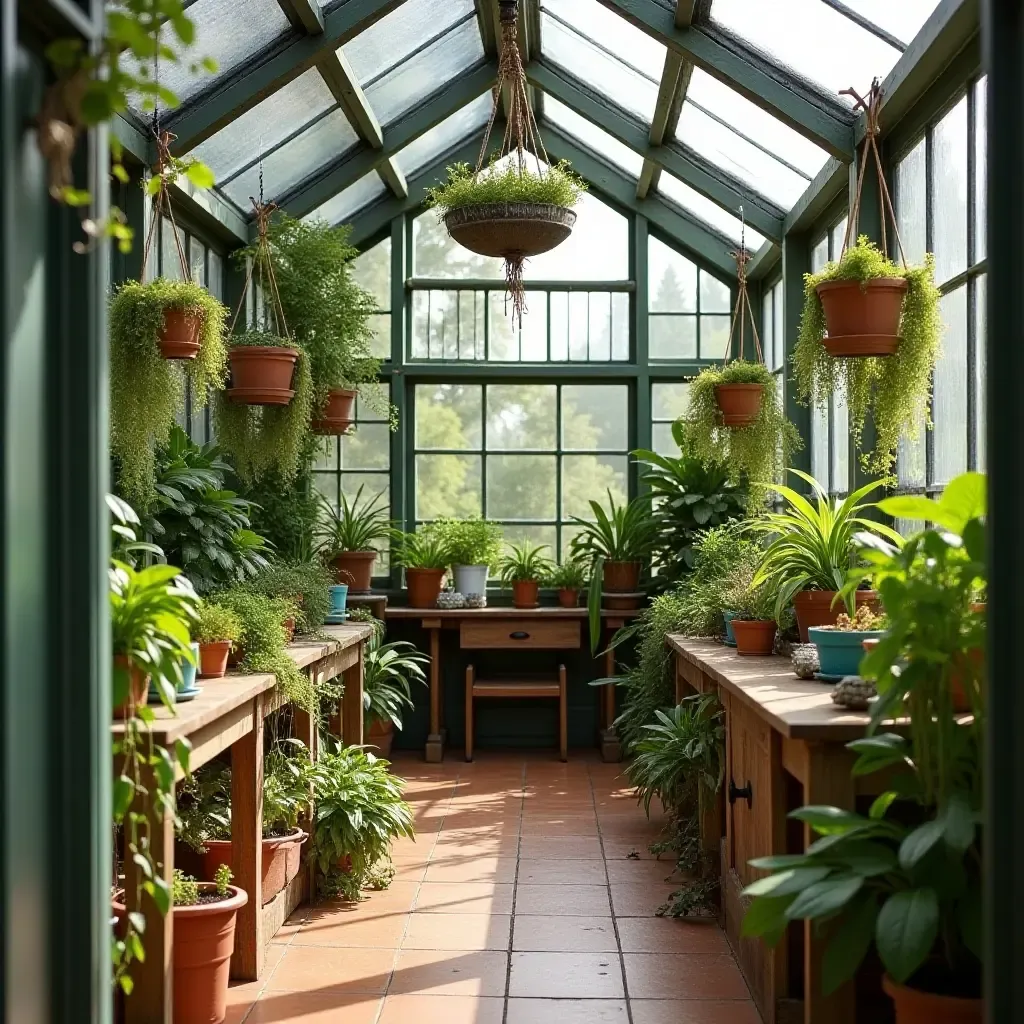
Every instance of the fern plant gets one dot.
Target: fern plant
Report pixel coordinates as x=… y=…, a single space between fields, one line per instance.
x=559 y=186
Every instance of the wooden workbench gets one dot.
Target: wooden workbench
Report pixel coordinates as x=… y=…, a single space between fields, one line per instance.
x=230 y=713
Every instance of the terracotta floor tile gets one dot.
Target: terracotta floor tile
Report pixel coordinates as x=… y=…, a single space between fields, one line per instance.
x=325 y=1007
x=291 y=927
x=671 y=935
x=384 y=932
x=566 y=1011
x=575 y=900
x=639 y=899
x=482 y=824
x=411 y=871
x=308 y=968
x=242 y=994
x=420 y=1009
x=457 y=931
x=558 y=825
x=648 y=871
x=559 y=934
x=562 y=872
x=626 y=848
x=559 y=848
x=693 y=1011
x=465 y=897
x=463 y=843
x=683 y=976
x=479 y=869
x=436 y=972
x=566 y=976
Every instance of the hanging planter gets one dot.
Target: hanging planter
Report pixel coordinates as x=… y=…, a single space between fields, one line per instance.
x=261 y=372
x=739 y=404
x=515 y=212
x=179 y=336
x=862 y=318
x=338 y=416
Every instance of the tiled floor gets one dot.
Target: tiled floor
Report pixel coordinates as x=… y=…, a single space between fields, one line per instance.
x=518 y=903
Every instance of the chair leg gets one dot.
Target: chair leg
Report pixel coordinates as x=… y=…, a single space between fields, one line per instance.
x=563 y=716
x=469 y=712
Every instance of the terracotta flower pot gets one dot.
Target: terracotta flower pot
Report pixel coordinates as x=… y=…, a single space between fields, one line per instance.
x=356 y=569
x=621 y=576
x=381 y=734
x=281 y=859
x=262 y=374
x=423 y=585
x=754 y=637
x=339 y=413
x=179 y=336
x=525 y=594
x=138 y=687
x=914 y=1006
x=213 y=659
x=289 y=627
x=616 y=602
x=569 y=597
x=740 y=403
x=815 y=608
x=863 y=319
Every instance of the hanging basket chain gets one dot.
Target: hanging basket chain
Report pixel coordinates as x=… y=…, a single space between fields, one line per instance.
x=871 y=106
x=742 y=257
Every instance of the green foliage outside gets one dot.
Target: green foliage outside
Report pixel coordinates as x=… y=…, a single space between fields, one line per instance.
x=558 y=186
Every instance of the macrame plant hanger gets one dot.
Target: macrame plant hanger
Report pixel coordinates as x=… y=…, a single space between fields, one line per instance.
x=742 y=258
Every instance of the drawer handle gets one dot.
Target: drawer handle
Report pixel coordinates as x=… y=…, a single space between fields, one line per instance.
x=746 y=793
x=519 y=634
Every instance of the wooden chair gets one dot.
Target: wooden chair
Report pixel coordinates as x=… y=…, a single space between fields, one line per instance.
x=518 y=688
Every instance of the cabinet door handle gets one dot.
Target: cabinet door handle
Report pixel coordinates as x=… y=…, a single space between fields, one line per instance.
x=736 y=793
x=519 y=634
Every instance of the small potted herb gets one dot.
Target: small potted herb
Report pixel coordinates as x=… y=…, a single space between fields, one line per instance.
x=473 y=547
x=841 y=646
x=752 y=615
x=424 y=557
x=306 y=584
x=347 y=535
x=389 y=670
x=524 y=567
x=569 y=579
x=216 y=631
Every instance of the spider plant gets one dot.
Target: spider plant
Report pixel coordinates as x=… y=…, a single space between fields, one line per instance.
x=624 y=533
x=389 y=671
x=421 y=550
x=352 y=525
x=525 y=563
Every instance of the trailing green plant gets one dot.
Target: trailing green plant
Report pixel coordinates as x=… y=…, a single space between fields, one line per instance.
x=359 y=813
x=752 y=453
x=689 y=495
x=267 y=438
x=469 y=541
x=895 y=389
x=204 y=527
x=215 y=624
x=146 y=390
x=697 y=896
x=572 y=574
x=423 y=549
x=389 y=670
x=524 y=563
x=306 y=584
x=352 y=525
x=557 y=186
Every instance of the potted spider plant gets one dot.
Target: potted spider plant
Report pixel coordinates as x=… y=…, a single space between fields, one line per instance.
x=347 y=535
x=524 y=567
x=389 y=670
x=812 y=550
x=473 y=548
x=425 y=560
x=569 y=579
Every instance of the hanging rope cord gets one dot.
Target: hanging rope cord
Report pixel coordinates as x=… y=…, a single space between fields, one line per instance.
x=263 y=212
x=871 y=107
x=742 y=258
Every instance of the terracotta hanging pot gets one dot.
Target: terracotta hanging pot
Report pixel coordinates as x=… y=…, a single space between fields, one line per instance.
x=569 y=597
x=179 y=336
x=754 y=637
x=525 y=594
x=815 y=608
x=423 y=586
x=915 y=1006
x=262 y=374
x=280 y=860
x=339 y=413
x=740 y=403
x=863 y=319
x=356 y=569
x=510 y=230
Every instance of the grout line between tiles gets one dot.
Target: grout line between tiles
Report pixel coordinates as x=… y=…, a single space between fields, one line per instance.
x=515 y=892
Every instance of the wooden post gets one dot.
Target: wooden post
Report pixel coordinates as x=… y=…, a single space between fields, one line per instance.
x=435 y=741
x=352 y=702
x=247 y=846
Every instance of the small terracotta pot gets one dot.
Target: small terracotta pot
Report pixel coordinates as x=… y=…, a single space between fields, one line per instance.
x=621 y=576
x=281 y=858
x=814 y=608
x=262 y=374
x=754 y=637
x=179 y=336
x=213 y=659
x=339 y=413
x=138 y=688
x=569 y=597
x=968 y=662
x=863 y=319
x=740 y=403
x=423 y=586
x=289 y=627
x=356 y=569
x=914 y=1006
x=525 y=594
x=381 y=734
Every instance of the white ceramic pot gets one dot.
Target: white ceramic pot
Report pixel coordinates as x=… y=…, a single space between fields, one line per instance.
x=471 y=579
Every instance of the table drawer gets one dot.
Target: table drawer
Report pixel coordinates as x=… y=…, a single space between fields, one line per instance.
x=554 y=634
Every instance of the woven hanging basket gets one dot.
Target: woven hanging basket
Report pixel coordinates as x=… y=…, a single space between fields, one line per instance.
x=518 y=230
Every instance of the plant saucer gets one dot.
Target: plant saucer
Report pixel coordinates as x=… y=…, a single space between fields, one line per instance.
x=183 y=696
x=337 y=619
x=828 y=677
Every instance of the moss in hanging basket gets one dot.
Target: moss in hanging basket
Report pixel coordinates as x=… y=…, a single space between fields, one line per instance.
x=262 y=438
x=758 y=452
x=146 y=390
x=895 y=389
x=558 y=186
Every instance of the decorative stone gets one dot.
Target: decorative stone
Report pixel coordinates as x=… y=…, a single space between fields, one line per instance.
x=476 y=600
x=805 y=660
x=450 y=600
x=854 y=693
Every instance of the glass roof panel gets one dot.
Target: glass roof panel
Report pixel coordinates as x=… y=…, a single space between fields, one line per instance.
x=319 y=144
x=426 y=71
x=708 y=211
x=442 y=137
x=594 y=138
x=587 y=62
x=341 y=207
x=747 y=118
x=813 y=39
x=267 y=124
x=903 y=19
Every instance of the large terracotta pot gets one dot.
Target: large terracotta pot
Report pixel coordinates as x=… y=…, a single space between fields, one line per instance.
x=213 y=659
x=262 y=374
x=356 y=569
x=623 y=577
x=381 y=734
x=914 y=1006
x=863 y=319
x=138 y=687
x=179 y=336
x=339 y=413
x=754 y=637
x=423 y=585
x=569 y=597
x=740 y=403
x=815 y=608
x=525 y=594
x=281 y=859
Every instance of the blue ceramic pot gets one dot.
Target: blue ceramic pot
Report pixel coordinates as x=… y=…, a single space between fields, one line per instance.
x=339 y=598
x=840 y=651
x=730 y=637
x=188 y=672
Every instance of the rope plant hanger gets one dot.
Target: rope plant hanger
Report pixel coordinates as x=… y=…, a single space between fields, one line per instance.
x=519 y=213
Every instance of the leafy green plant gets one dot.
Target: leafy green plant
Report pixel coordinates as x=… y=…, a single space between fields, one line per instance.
x=215 y=624
x=753 y=453
x=423 y=549
x=125 y=527
x=184 y=889
x=222 y=880
x=267 y=438
x=623 y=533
x=756 y=604
x=306 y=584
x=524 y=562
x=572 y=574
x=559 y=186
x=863 y=620
x=148 y=391
x=286 y=512
x=897 y=388
x=204 y=806
x=389 y=670
x=469 y=541
x=352 y=525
